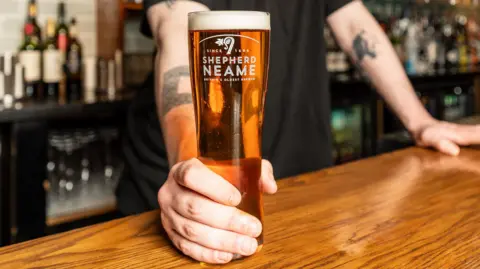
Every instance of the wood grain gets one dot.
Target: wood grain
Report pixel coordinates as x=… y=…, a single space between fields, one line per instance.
x=409 y=209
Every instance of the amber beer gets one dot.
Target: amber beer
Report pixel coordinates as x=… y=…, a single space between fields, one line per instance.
x=229 y=57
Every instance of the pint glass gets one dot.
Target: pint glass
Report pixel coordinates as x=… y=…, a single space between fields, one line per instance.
x=229 y=58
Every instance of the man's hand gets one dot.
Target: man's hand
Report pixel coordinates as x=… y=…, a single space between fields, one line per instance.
x=199 y=215
x=447 y=137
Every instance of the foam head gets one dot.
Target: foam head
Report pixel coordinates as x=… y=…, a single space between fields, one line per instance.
x=228 y=20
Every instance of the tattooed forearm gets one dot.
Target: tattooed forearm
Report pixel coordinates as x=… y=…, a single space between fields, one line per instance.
x=171 y=95
x=362 y=47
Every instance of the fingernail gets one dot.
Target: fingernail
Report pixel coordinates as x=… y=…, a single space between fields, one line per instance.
x=247 y=246
x=235 y=199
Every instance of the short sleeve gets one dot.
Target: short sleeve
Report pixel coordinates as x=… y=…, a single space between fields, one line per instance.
x=145 y=27
x=333 y=5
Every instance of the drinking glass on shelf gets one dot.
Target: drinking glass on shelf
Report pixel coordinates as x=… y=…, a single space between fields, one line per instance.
x=69 y=170
x=108 y=136
x=57 y=142
x=81 y=138
x=51 y=163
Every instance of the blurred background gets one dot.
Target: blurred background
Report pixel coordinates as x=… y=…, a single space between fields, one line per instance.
x=69 y=68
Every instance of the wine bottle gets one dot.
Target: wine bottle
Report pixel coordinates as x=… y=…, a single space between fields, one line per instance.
x=30 y=58
x=52 y=63
x=32 y=19
x=62 y=38
x=74 y=64
x=62 y=31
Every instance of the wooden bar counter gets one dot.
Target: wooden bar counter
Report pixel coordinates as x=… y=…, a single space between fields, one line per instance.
x=409 y=209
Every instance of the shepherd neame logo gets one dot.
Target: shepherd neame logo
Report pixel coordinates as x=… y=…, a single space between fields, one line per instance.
x=220 y=64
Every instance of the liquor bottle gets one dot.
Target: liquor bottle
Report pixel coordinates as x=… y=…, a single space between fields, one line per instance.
x=423 y=35
x=451 y=48
x=396 y=38
x=74 y=64
x=32 y=19
x=62 y=38
x=30 y=58
x=440 y=44
x=461 y=36
x=472 y=39
x=52 y=64
x=411 y=48
x=431 y=45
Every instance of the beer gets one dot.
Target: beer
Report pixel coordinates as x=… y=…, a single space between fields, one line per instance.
x=229 y=57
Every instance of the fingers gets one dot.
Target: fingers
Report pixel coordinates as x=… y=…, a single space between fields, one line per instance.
x=194 y=250
x=194 y=175
x=267 y=181
x=466 y=134
x=197 y=208
x=446 y=146
x=213 y=238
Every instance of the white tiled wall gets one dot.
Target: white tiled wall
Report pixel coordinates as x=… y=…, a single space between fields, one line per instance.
x=13 y=14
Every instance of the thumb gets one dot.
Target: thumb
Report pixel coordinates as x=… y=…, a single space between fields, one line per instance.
x=267 y=180
x=447 y=147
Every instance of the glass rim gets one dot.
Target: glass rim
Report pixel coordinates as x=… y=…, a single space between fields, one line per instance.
x=228 y=20
x=228 y=12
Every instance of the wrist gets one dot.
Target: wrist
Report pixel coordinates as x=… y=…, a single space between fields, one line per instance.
x=418 y=124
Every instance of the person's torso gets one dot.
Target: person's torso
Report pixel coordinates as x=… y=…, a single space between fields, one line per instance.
x=296 y=132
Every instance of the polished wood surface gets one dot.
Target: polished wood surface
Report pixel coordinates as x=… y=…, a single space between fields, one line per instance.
x=409 y=209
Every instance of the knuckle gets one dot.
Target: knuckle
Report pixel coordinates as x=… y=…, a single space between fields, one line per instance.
x=185 y=247
x=232 y=222
x=267 y=164
x=186 y=173
x=189 y=231
x=194 y=209
x=423 y=136
x=227 y=243
x=162 y=196
x=217 y=257
x=205 y=255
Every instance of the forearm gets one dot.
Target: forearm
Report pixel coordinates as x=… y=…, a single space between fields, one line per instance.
x=364 y=40
x=175 y=110
x=173 y=91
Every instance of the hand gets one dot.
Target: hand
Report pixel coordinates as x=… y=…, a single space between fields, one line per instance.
x=199 y=215
x=447 y=137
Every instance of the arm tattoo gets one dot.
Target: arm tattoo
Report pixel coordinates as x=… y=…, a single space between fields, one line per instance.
x=363 y=48
x=171 y=97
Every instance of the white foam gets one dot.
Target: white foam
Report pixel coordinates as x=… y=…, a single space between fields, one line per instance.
x=226 y=20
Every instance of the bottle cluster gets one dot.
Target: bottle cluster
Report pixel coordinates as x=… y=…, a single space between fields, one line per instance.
x=52 y=62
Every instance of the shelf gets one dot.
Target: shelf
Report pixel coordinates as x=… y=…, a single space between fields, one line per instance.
x=105 y=209
x=132 y=6
x=84 y=201
x=470 y=120
x=34 y=111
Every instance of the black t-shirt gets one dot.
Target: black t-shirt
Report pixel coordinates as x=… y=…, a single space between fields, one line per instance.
x=296 y=133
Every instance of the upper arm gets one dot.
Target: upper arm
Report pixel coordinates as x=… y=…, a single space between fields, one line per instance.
x=350 y=20
x=169 y=19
